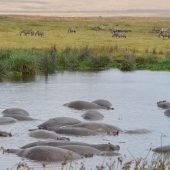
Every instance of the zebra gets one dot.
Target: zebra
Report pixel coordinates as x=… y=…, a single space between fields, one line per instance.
x=72 y=30
x=119 y=35
x=39 y=33
x=164 y=34
x=27 y=32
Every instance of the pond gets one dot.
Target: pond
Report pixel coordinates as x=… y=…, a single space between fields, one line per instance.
x=133 y=95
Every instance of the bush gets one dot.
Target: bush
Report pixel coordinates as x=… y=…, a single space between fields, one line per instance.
x=23 y=62
x=47 y=61
x=147 y=59
x=100 y=61
x=128 y=63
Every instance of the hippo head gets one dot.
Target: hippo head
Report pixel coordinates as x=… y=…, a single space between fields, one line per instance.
x=111 y=147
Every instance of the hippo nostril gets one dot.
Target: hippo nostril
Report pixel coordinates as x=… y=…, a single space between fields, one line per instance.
x=117 y=147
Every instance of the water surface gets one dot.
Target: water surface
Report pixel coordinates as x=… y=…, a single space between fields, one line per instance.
x=133 y=95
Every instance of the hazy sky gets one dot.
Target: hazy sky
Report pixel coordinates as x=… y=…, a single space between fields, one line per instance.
x=28 y=6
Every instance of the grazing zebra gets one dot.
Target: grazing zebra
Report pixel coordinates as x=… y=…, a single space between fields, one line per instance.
x=122 y=30
x=72 y=30
x=164 y=34
x=39 y=33
x=27 y=32
x=156 y=29
x=119 y=35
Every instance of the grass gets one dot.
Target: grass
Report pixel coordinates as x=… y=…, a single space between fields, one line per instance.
x=55 y=30
x=119 y=163
x=27 y=56
x=20 y=64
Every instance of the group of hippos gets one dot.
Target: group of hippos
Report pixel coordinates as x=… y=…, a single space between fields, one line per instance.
x=161 y=32
x=58 y=148
x=31 y=32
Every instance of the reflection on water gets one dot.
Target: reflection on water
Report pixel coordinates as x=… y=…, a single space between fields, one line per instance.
x=133 y=94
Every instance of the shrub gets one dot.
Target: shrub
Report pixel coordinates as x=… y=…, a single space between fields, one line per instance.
x=23 y=62
x=47 y=61
x=100 y=61
x=128 y=63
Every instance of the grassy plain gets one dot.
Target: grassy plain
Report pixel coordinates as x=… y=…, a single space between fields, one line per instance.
x=56 y=33
x=85 y=50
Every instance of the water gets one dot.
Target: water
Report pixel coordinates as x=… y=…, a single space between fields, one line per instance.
x=133 y=95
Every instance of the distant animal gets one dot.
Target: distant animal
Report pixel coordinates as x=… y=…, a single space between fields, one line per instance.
x=83 y=105
x=164 y=34
x=92 y=115
x=121 y=30
x=72 y=30
x=104 y=103
x=39 y=33
x=98 y=28
x=156 y=29
x=45 y=154
x=163 y=104
x=27 y=32
x=5 y=134
x=119 y=35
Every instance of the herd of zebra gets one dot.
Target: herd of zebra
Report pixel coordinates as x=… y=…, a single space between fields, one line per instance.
x=161 y=32
x=31 y=32
x=116 y=31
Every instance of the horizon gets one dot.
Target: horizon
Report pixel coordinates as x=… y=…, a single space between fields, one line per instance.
x=86 y=7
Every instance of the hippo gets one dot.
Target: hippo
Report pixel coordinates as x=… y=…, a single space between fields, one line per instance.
x=163 y=149
x=19 y=117
x=45 y=154
x=5 y=134
x=58 y=122
x=101 y=147
x=75 y=131
x=83 y=105
x=92 y=115
x=167 y=112
x=163 y=104
x=45 y=134
x=99 y=127
x=104 y=103
x=15 y=111
x=137 y=131
x=86 y=151
x=7 y=120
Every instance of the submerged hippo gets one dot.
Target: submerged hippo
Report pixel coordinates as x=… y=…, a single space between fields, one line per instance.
x=45 y=154
x=15 y=111
x=83 y=105
x=101 y=147
x=58 y=122
x=167 y=112
x=86 y=151
x=75 y=131
x=19 y=117
x=5 y=134
x=163 y=104
x=99 y=127
x=163 y=149
x=7 y=120
x=92 y=115
x=137 y=131
x=45 y=134
x=104 y=103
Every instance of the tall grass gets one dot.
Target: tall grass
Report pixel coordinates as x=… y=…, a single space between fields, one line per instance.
x=21 y=63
